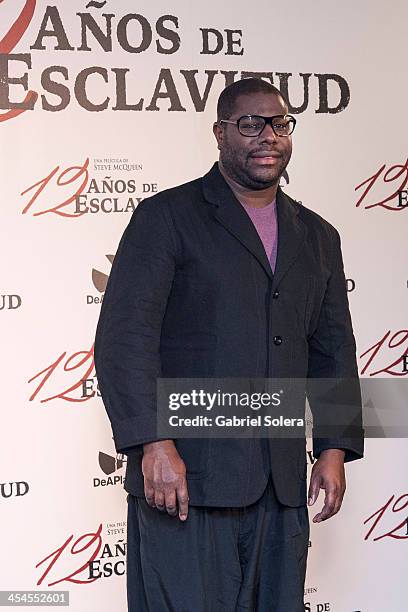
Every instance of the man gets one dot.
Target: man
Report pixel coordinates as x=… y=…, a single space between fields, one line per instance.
x=223 y=277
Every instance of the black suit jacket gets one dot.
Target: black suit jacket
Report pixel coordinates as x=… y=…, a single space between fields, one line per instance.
x=191 y=294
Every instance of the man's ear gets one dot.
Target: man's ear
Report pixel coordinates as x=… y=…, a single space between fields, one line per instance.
x=218 y=133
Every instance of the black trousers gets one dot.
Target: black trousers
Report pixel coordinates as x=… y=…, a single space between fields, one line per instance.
x=250 y=559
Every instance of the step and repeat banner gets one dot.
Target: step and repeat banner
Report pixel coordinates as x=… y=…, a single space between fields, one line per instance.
x=103 y=103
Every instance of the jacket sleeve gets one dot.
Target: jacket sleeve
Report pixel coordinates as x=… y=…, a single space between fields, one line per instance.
x=127 y=343
x=335 y=402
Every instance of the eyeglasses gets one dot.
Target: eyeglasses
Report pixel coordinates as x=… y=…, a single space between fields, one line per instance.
x=253 y=125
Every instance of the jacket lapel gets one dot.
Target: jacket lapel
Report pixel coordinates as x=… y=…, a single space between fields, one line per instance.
x=231 y=214
x=292 y=234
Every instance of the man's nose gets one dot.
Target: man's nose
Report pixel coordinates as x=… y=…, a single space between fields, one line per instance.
x=268 y=134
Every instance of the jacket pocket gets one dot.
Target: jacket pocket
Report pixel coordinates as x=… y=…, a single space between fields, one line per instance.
x=195 y=453
x=302 y=465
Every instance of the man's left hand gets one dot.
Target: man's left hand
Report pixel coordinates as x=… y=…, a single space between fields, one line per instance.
x=328 y=474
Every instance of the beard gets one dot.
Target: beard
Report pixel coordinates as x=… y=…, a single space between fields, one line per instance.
x=241 y=169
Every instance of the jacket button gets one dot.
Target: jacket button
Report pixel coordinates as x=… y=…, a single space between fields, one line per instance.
x=277 y=340
x=275 y=294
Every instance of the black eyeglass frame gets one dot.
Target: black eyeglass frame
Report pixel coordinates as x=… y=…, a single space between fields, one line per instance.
x=268 y=121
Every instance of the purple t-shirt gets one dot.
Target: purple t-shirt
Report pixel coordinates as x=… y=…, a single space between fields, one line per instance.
x=266 y=224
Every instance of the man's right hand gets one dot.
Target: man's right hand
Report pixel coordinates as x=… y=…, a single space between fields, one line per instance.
x=165 y=482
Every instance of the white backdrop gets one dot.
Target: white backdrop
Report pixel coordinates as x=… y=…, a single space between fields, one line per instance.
x=75 y=138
